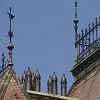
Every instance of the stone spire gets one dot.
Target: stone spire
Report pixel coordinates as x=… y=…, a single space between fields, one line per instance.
x=63 y=85
x=54 y=83
x=37 y=81
x=10 y=35
x=49 y=84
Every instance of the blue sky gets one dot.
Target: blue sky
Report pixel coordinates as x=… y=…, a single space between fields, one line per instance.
x=44 y=37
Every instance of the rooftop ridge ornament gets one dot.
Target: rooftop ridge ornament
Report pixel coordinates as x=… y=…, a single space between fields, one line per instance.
x=10 y=34
x=76 y=9
x=76 y=21
x=89 y=40
x=11 y=16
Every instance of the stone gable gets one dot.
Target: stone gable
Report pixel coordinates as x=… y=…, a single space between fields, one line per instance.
x=14 y=91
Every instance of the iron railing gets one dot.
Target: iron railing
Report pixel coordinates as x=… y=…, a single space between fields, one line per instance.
x=88 y=40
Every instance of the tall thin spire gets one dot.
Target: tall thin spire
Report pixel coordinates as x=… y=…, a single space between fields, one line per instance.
x=10 y=35
x=76 y=20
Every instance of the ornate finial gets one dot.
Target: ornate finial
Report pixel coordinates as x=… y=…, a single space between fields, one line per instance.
x=10 y=34
x=75 y=8
x=11 y=17
x=76 y=21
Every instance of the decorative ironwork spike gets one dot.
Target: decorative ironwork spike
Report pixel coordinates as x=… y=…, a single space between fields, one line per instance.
x=76 y=21
x=11 y=17
x=82 y=31
x=77 y=37
x=89 y=31
x=96 y=21
x=85 y=36
x=10 y=34
x=79 y=44
x=93 y=26
x=89 y=27
x=92 y=23
x=96 y=28
x=93 y=32
x=85 y=30
x=75 y=8
x=99 y=20
x=80 y=35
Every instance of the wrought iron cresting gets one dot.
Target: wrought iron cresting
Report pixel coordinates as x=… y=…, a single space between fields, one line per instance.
x=88 y=40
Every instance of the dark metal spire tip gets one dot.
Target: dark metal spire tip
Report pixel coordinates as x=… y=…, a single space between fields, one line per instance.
x=11 y=16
